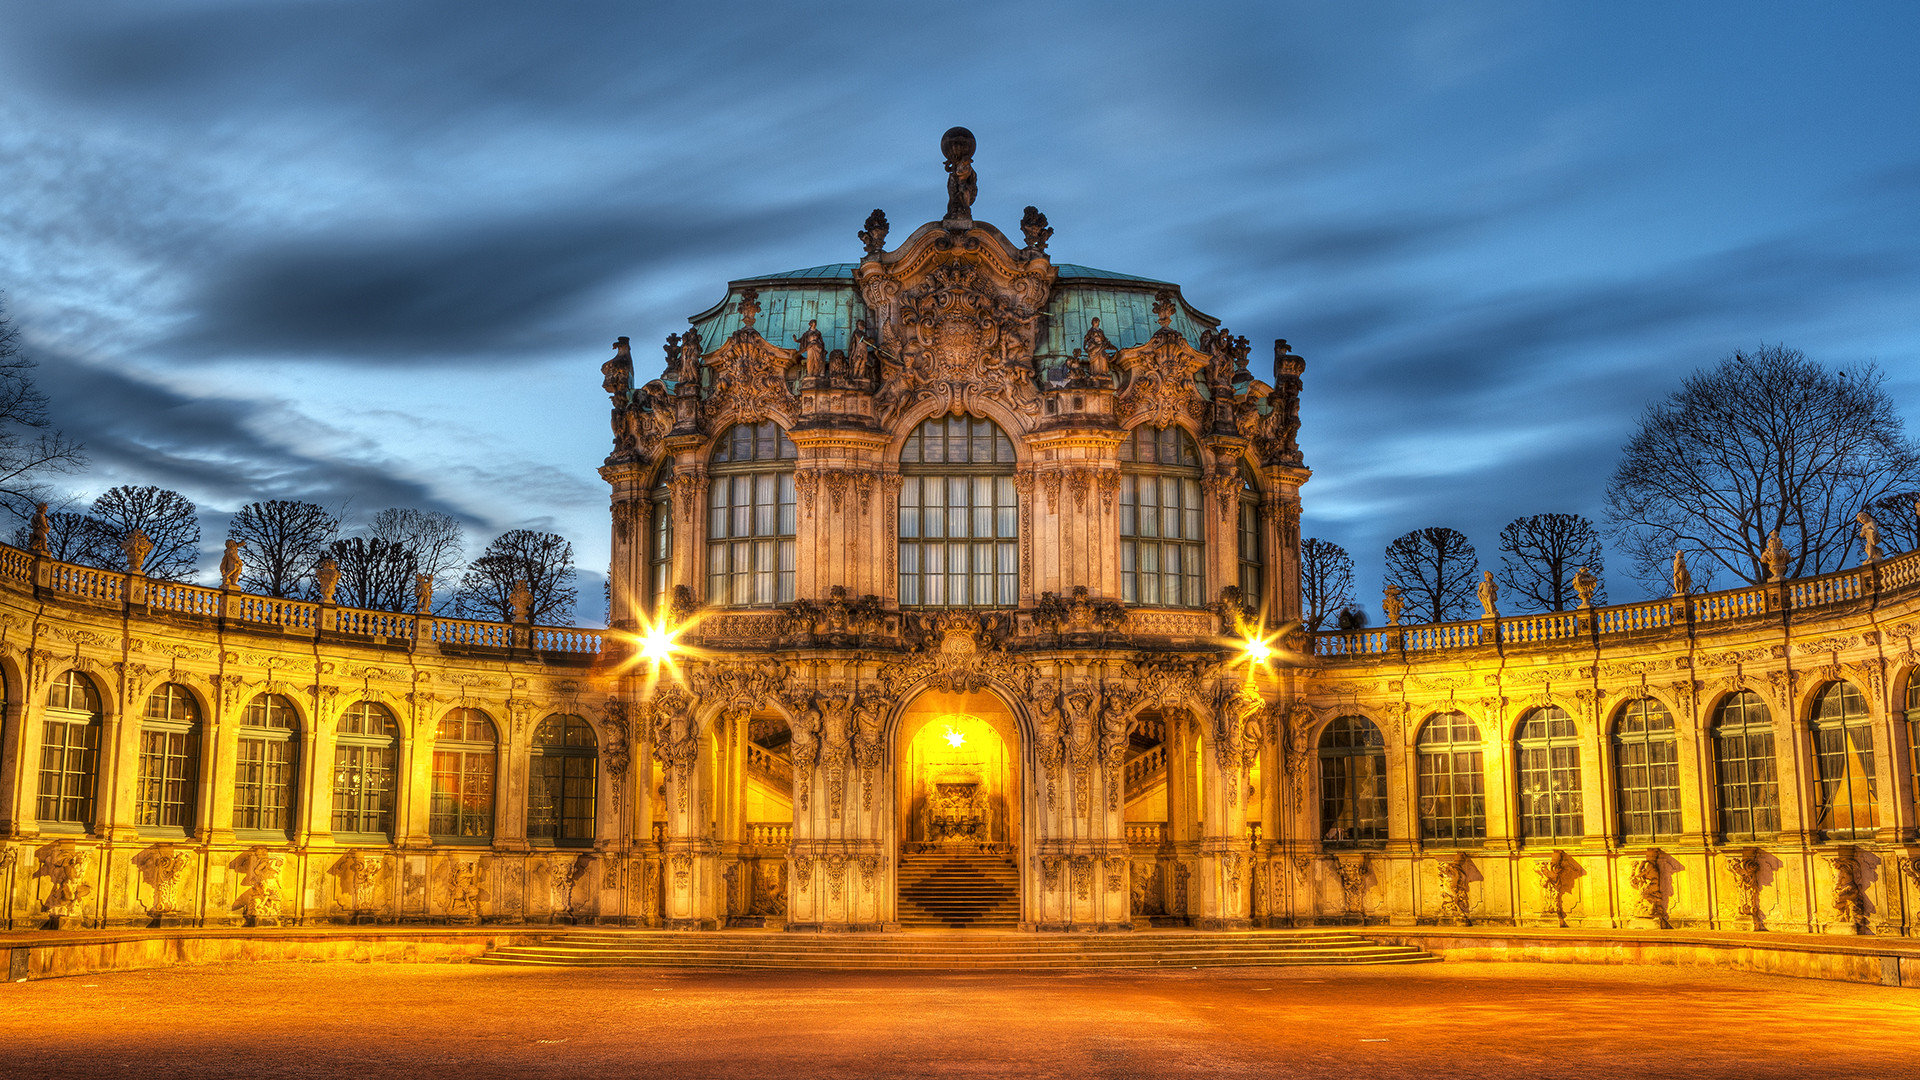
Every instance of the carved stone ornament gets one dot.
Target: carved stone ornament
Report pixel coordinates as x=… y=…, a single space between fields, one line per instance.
x=955 y=317
x=1158 y=385
x=136 y=547
x=874 y=236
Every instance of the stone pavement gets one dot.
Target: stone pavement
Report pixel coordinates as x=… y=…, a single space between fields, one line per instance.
x=1446 y=1020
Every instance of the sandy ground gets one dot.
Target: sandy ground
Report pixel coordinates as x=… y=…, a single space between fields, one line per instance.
x=1444 y=1020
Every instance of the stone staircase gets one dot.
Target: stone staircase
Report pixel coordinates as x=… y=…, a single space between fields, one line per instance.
x=959 y=890
x=954 y=950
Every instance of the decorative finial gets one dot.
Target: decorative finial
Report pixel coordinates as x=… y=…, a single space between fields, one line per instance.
x=1776 y=557
x=874 y=236
x=1163 y=307
x=1585 y=583
x=962 y=187
x=1034 y=224
x=749 y=307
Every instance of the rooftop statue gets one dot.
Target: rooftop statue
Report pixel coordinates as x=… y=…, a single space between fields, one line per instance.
x=962 y=188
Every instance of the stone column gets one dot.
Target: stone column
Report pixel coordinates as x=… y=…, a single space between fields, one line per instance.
x=627 y=581
x=1225 y=864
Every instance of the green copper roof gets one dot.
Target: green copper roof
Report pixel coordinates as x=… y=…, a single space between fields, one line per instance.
x=1122 y=302
x=845 y=270
x=784 y=313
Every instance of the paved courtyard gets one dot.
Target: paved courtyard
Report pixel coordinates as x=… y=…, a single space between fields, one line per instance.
x=1515 y=1020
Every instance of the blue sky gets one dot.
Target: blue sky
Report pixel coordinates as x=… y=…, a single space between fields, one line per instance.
x=373 y=254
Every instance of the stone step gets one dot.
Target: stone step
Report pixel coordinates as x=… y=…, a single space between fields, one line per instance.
x=933 y=950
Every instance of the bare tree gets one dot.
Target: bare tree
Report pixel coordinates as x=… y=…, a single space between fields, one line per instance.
x=374 y=573
x=436 y=542
x=169 y=519
x=1899 y=519
x=30 y=449
x=1539 y=556
x=284 y=540
x=1762 y=441
x=541 y=559
x=1326 y=581
x=1436 y=571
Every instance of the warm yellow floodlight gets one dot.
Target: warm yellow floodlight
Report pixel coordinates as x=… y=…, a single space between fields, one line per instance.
x=658 y=644
x=955 y=739
x=1257 y=650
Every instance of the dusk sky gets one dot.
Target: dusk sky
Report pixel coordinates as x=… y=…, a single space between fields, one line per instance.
x=374 y=254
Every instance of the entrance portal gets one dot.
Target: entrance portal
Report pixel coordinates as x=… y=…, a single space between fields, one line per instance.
x=958 y=812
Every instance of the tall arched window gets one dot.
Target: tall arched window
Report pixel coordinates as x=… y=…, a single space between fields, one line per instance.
x=1162 y=540
x=1353 y=783
x=169 y=761
x=1453 y=803
x=750 y=524
x=69 y=753
x=1913 y=729
x=1252 y=558
x=1749 y=792
x=463 y=761
x=1549 y=759
x=1646 y=771
x=959 y=518
x=564 y=774
x=263 y=773
x=363 y=776
x=660 y=540
x=1843 y=756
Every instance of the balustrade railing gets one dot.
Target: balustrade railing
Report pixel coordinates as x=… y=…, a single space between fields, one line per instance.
x=16 y=564
x=185 y=599
x=87 y=583
x=1146 y=832
x=1145 y=765
x=759 y=757
x=769 y=833
x=1586 y=624
x=273 y=611
x=566 y=639
x=373 y=623
x=469 y=632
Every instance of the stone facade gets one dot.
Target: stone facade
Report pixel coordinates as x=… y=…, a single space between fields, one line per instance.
x=774 y=495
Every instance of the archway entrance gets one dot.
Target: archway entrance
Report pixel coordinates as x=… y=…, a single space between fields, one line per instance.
x=958 y=812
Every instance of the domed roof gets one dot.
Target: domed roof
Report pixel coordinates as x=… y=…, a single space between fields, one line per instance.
x=789 y=300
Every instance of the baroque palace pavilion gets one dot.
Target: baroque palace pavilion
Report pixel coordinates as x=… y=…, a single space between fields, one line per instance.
x=956 y=586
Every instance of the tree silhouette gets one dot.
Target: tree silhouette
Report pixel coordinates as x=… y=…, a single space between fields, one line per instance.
x=1762 y=441
x=30 y=449
x=1539 y=556
x=169 y=519
x=1326 y=581
x=1437 y=572
x=284 y=540
x=541 y=559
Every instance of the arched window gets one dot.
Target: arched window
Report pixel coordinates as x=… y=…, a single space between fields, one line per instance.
x=1252 y=559
x=1549 y=759
x=1353 y=783
x=1646 y=771
x=363 y=776
x=169 y=761
x=463 y=760
x=1453 y=803
x=1913 y=729
x=69 y=752
x=1744 y=768
x=264 y=774
x=959 y=518
x=660 y=540
x=750 y=524
x=1843 y=755
x=565 y=772
x=1162 y=541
